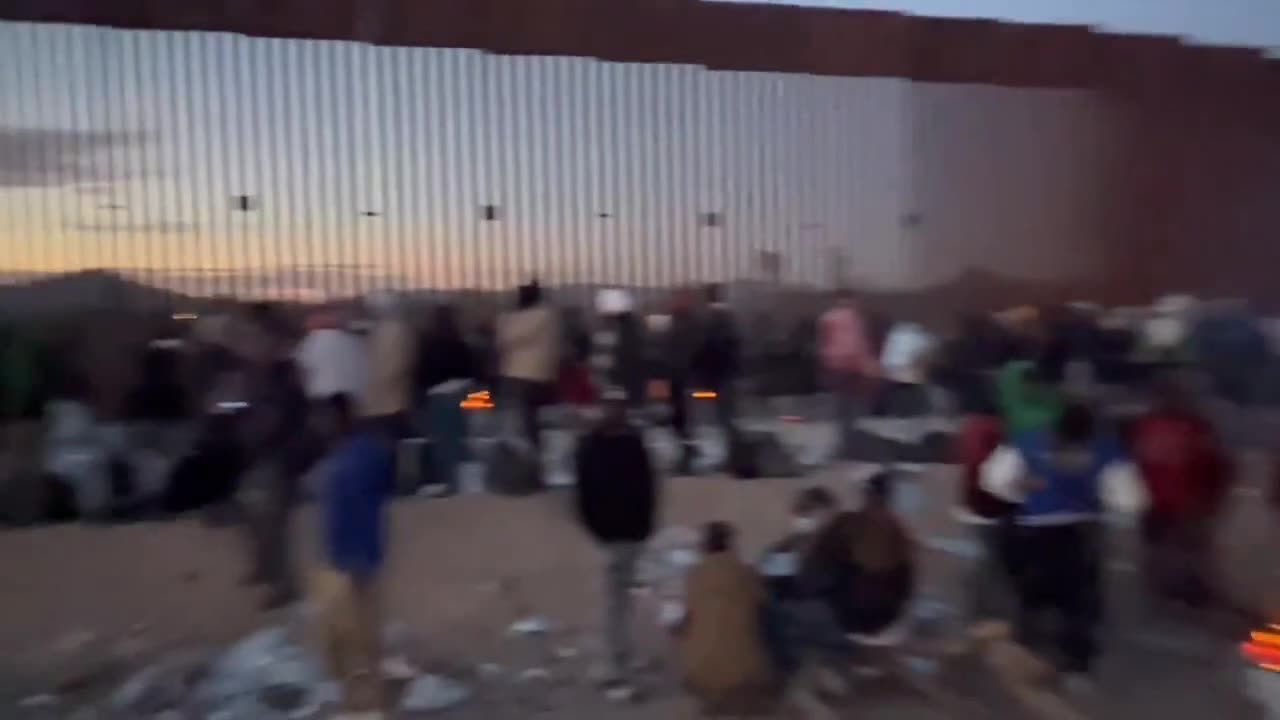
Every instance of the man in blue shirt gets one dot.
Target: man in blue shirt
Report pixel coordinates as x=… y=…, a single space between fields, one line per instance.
x=352 y=505
x=1061 y=481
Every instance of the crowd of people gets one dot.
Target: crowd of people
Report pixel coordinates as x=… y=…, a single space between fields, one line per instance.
x=1043 y=462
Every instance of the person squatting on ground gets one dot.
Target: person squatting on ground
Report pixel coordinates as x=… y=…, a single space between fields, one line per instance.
x=862 y=563
x=724 y=661
x=617 y=500
x=800 y=628
x=1061 y=479
x=353 y=500
x=529 y=342
x=849 y=364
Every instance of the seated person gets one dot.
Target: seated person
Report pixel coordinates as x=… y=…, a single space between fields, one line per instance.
x=797 y=626
x=862 y=564
x=810 y=511
x=722 y=651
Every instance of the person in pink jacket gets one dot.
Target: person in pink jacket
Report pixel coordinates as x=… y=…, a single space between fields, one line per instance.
x=849 y=364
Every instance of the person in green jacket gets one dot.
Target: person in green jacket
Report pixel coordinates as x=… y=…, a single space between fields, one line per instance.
x=1027 y=401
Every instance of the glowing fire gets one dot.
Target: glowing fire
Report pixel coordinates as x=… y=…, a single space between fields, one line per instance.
x=477 y=401
x=1263 y=648
x=704 y=395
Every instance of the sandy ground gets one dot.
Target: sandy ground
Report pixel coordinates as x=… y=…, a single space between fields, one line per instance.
x=75 y=599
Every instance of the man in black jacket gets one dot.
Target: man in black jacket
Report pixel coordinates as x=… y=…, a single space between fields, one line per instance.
x=718 y=361
x=617 y=498
x=277 y=441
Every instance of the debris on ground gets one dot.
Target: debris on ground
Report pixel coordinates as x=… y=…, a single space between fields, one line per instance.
x=535 y=674
x=43 y=700
x=566 y=652
x=266 y=676
x=428 y=693
x=532 y=625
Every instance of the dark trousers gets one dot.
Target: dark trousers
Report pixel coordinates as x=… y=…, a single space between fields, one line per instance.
x=1177 y=558
x=528 y=397
x=798 y=631
x=678 y=403
x=269 y=504
x=447 y=428
x=851 y=392
x=1057 y=571
x=727 y=407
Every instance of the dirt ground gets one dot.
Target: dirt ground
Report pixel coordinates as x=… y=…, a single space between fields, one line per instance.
x=75 y=599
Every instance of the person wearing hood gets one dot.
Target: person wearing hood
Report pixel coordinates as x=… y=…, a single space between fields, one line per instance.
x=392 y=352
x=529 y=342
x=1062 y=478
x=617 y=355
x=617 y=503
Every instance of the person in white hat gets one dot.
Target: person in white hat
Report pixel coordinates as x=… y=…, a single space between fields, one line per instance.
x=617 y=358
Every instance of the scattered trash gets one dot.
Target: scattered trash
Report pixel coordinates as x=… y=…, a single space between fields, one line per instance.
x=428 y=693
x=682 y=558
x=397 y=667
x=38 y=701
x=535 y=674
x=671 y=614
x=921 y=665
x=663 y=568
x=74 y=641
x=566 y=652
x=533 y=625
x=779 y=565
x=959 y=547
x=265 y=676
x=621 y=694
x=156 y=688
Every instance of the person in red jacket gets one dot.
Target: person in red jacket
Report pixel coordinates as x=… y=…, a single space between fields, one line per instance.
x=1187 y=474
x=979 y=434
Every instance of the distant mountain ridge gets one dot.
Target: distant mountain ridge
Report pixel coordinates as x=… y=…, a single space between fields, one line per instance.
x=970 y=291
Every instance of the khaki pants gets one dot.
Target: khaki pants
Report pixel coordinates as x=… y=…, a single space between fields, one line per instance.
x=351 y=629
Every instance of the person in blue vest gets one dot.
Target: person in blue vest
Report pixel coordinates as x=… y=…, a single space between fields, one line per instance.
x=1062 y=479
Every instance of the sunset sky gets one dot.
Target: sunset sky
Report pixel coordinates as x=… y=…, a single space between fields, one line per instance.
x=371 y=166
